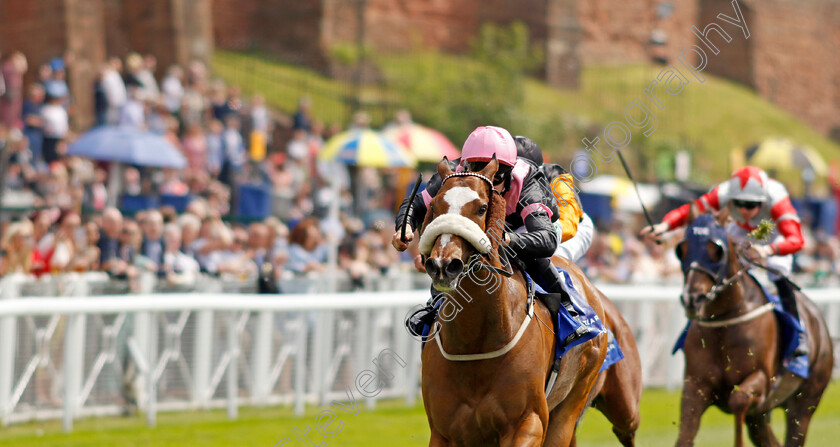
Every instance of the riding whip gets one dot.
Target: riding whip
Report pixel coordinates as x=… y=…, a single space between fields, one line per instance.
x=410 y=204
x=636 y=187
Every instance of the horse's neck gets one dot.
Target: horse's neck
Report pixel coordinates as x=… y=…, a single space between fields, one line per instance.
x=489 y=319
x=742 y=296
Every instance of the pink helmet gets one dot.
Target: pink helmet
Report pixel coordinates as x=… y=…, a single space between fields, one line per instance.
x=748 y=184
x=485 y=141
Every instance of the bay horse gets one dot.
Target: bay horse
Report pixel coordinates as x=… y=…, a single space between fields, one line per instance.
x=484 y=376
x=733 y=352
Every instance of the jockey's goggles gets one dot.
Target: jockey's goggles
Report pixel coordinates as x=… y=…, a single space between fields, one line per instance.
x=746 y=204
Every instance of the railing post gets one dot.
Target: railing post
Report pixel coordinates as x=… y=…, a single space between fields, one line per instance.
x=202 y=357
x=152 y=374
x=9 y=290
x=233 y=366
x=323 y=353
x=676 y=363
x=261 y=357
x=74 y=351
x=300 y=364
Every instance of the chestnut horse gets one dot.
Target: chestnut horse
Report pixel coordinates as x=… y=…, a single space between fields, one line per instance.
x=733 y=352
x=484 y=376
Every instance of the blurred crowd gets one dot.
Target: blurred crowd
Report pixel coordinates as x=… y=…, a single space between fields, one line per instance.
x=229 y=142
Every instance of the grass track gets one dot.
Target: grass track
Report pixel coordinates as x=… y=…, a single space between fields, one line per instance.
x=391 y=424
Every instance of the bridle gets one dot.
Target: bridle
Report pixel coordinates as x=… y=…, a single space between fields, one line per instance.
x=721 y=283
x=474 y=261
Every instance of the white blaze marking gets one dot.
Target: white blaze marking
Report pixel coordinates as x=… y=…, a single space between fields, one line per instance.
x=457 y=197
x=444 y=239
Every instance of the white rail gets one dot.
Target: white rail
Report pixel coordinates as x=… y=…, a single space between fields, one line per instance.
x=78 y=355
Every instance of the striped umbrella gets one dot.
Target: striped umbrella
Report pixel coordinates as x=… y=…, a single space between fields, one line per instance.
x=366 y=147
x=426 y=144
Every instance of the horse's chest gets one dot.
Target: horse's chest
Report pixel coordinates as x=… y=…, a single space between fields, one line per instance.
x=480 y=421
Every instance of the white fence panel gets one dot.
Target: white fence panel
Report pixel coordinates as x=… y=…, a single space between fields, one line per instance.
x=76 y=355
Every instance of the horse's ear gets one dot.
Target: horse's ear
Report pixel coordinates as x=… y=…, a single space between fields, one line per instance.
x=693 y=212
x=722 y=216
x=489 y=171
x=443 y=168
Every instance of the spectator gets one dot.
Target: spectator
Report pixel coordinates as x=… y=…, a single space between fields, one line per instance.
x=67 y=246
x=172 y=89
x=190 y=229
x=88 y=255
x=307 y=253
x=18 y=246
x=234 y=150
x=133 y=113
x=114 y=89
x=56 y=127
x=303 y=116
x=195 y=148
x=12 y=69
x=178 y=268
x=131 y=242
x=258 y=243
x=215 y=148
x=33 y=123
x=152 y=246
x=109 y=243
x=146 y=77
x=56 y=85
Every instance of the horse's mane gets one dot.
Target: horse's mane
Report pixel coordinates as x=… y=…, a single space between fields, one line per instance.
x=495 y=223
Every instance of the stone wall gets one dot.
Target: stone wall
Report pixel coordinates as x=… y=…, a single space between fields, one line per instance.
x=795 y=59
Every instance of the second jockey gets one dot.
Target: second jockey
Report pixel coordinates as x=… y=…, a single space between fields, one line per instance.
x=529 y=205
x=754 y=196
x=574 y=227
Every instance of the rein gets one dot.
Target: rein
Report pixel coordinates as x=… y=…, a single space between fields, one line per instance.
x=720 y=286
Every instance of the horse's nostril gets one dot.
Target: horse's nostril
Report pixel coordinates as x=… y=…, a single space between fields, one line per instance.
x=432 y=267
x=455 y=267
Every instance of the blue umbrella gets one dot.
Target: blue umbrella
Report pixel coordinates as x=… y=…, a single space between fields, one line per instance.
x=127 y=145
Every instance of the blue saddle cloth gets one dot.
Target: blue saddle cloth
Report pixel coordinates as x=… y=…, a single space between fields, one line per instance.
x=789 y=329
x=565 y=325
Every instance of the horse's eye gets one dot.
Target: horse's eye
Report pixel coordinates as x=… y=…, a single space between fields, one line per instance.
x=482 y=209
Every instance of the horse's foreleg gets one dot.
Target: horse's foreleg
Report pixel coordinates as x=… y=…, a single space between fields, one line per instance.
x=696 y=398
x=751 y=391
x=529 y=433
x=798 y=414
x=758 y=427
x=437 y=440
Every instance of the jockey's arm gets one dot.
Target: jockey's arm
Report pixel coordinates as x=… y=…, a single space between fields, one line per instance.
x=417 y=212
x=786 y=218
x=708 y=201
x=540 y=239
x=793 y=242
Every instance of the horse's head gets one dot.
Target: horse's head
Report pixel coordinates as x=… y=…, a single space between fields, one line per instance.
x=707 y=258
x=462 y=220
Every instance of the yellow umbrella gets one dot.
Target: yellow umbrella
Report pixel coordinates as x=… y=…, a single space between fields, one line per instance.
x=783 y=155
x=366 y=147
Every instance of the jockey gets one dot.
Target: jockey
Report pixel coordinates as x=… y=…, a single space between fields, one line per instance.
x=574 y=227
x=755 y=196
x=529 y=204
